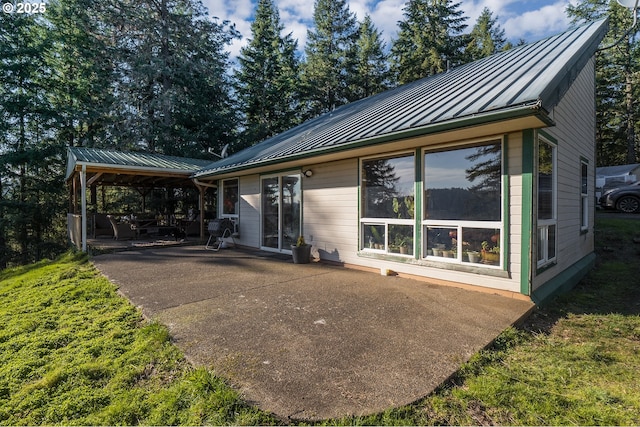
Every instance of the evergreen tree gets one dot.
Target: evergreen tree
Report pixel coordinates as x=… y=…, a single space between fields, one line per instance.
x=372 y=69
x=430 y=39
x=330 y=57
x=82 y=64
x=617 y=83
x=174 y=92
x=32 y=190
x=486 y=37
x=267 y=77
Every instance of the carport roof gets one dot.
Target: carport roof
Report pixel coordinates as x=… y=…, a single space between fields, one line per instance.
x=118 y=168
x=525 y=81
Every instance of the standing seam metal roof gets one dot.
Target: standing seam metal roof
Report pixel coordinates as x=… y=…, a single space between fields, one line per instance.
x=133 y=160
x=531 y=76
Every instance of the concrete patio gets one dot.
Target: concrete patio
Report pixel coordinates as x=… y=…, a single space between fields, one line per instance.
x=313 y=341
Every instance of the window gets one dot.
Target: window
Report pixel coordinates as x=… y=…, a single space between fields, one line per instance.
x=547 y=222
x=584 y=195
x=387 y=213
x=230 y=197
x=462 y=217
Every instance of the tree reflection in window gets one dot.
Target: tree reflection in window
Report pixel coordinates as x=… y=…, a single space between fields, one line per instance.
x=387 y=188
x=464 y=184
x=388 y=204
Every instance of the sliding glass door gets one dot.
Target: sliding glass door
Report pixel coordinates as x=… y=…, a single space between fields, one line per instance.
x=281 y=211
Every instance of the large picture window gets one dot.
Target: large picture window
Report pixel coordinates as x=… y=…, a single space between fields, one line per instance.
x=462 y=215
x=387 y=189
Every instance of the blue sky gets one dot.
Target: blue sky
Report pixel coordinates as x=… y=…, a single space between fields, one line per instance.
x=530 y=20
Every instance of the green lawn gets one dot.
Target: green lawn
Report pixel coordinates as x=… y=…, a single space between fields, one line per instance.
x=74 y=352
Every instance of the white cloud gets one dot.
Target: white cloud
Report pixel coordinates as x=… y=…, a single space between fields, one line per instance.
x=238 y=12
x=385 y=16
x=529 y=20
x=538 y=23
x=301 y=9
x=230 y=10
x=526 y=20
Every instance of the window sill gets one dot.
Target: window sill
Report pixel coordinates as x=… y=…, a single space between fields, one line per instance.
x=541 y=269
x=492 y=271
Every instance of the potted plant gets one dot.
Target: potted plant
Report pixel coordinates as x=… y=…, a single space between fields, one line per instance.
x=474 y=256
x=404 y=244
x=490 y=255
x=301 y=251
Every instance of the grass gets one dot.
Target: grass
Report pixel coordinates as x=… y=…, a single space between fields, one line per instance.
x=73 y=352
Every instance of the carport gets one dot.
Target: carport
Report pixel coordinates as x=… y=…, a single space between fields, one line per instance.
x=90 y=168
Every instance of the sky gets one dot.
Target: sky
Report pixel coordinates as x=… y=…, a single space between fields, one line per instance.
x=530 y=20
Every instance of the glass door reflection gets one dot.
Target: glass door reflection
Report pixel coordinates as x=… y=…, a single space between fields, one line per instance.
x=270 y=213
x=281 y=211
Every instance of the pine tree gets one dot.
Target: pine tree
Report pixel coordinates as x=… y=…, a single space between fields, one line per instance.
x=82 y=57
x=267 y=77
x=372 y=69
x=330 y=57
x=617 y=83
x=174 y=92
x=31 y=171
x=486 y=37
x=430 y=39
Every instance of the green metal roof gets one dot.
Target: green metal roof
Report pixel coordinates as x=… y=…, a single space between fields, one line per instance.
x=527 y=80
x=133 y=161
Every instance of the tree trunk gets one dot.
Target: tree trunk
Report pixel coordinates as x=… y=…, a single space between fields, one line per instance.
x=3 y=240
x=631 y=134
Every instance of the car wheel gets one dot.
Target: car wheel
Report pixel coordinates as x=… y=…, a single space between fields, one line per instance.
x=628 y=204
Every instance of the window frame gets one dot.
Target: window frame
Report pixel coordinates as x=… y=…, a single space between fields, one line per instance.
x=284 y=240
x=458 y=226
x=545 y=225
x=584 y=195
x=236 y=204
x=386 y=223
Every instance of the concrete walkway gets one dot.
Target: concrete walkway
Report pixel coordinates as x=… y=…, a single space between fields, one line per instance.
x=310 y=341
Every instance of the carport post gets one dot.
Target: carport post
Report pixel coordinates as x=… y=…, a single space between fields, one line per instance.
x=83 y=188
x=201 y=216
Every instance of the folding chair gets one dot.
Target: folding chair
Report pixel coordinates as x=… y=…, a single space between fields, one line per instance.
x=219 y=229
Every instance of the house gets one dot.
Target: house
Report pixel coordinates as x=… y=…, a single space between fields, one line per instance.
x=497 y=155
x=481 y=176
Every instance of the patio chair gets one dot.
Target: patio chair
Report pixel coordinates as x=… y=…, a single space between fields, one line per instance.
x=121 y=231
x=219 y=229
x=101 y=225
x=193 y=227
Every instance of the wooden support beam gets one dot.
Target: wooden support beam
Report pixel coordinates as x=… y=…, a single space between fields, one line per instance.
x=94 y=178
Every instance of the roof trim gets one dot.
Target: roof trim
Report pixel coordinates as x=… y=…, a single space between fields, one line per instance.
x=560 y=84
